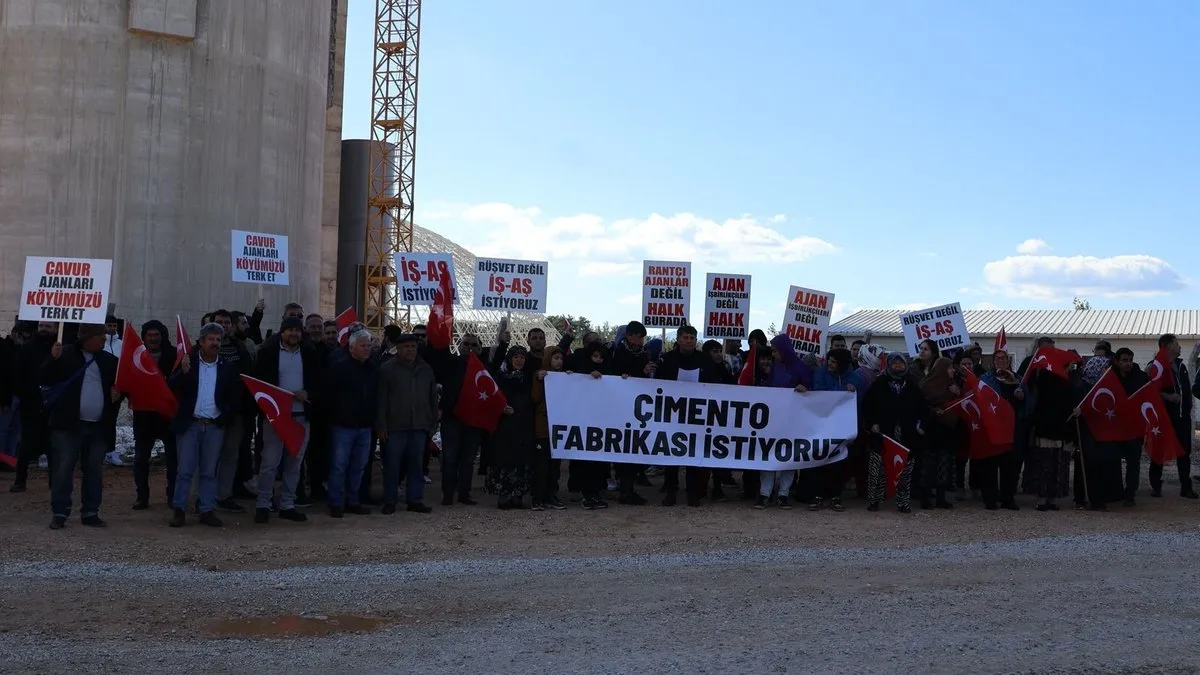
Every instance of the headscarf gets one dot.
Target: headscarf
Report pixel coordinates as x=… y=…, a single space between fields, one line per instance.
x=1094 y=370
x=893 y=358
x=506 y=369
x=869 y=356
x=936 y=385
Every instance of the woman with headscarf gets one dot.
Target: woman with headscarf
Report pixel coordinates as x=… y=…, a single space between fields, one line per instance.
x=870 y=363
x=825 y=482
x=1096 y=470
x=997 y=475
x=1052 y=400
x=941 y=440
x=893 y=406
x=512 y=444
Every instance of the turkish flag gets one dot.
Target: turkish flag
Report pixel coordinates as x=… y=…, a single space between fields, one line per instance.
x=1052 y=360
x=1107 y=412
x=750 y=367
x=440 y=328
x=1161 y=370
x=1161 y=444
x=1001 y=344
x=999 y=418
x=183 y=345
x=5 y=458
x=276 y=405
x=481 y=402
x=343 y=321
x=980 y=445
x=139 y=377
x=895 y=457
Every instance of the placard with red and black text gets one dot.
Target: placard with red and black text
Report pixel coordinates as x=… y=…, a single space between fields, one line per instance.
x=726 y=306
x=419 y=275
x=806 y=319
x=666 y=293
x=510 y=285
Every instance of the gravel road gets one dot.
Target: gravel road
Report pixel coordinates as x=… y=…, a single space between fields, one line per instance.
x=1120 y=603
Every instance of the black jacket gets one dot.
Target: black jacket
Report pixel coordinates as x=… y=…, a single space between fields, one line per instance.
x=885 y=406
x=8 y=371
x=626 y=362
x=350 y=392
x=675 y=361
x=266 y=367
x=185 y=386
x=27 y=375
x=451 y=369
x=64 y=414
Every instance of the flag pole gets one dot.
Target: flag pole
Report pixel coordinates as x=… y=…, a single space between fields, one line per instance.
x=1087 y=497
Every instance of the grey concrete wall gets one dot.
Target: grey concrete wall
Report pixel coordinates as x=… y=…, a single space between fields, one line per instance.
x=333 y=160
x=149 y=150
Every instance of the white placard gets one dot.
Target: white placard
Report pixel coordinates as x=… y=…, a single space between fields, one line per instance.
x=806 y=319
x=510 y=285
x=670 y=423
x=944 y=325
x=73 y=290
x=259 y=258
x=666 y=293
x=726 y=306
x=418 y=276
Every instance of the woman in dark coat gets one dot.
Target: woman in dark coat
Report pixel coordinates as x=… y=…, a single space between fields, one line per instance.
x=942 y=440
x=512 y=445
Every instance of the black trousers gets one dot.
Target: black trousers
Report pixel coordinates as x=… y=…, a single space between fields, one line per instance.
x=996 y=477
x=545 y=472
x=751 y=483
x=35 y=442
x=823 y=482
x=695 y=481
x=148 y=428
x=318 y=456
x=1183 y=465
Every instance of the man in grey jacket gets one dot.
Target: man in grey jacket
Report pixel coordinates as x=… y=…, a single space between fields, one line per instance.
x=406 y=414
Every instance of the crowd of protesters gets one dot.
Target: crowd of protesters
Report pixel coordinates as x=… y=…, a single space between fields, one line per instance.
x=363 y=399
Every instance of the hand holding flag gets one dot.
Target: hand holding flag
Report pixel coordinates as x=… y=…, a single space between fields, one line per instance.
x=276 y=405
x=138 y=376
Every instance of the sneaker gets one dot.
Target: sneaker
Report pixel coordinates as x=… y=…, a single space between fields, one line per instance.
x=302 y=502
x=92 y=521
x=589 y=504
x=1189 y=494
x=58 y=522
x=815 y=505
x=113 y=459
x=760 y=503
x=178 y=518
x=418 y=507
x=784 y=503
x=230 y=506
x=336 y=512
x=261 y=516
x=537 y=506
x=358 y=510
x=389 y=509
x=210 y=519
x=836 y=504
x=556 y=504
x=632 y=499
x=292 y=515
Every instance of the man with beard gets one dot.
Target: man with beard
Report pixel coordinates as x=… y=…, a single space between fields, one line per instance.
x=685 y=363
x=27 y=380
x=149 y=426
x=79 y=380
x=286 y=362
x=330 y=336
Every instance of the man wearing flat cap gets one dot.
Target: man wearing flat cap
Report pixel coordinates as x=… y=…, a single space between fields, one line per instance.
x=406 y=414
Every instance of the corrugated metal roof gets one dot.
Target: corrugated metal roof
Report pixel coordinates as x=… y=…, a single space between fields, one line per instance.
x=1092 y=323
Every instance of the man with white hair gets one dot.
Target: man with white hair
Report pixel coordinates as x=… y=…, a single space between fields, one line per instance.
x=350 y=385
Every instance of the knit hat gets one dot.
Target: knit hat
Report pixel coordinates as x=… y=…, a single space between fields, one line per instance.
x=291 y=322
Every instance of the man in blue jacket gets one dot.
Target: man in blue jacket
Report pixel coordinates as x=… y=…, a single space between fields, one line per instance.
x=204 y=386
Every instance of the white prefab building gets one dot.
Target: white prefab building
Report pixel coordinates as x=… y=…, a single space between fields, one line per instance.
x=1138 y=330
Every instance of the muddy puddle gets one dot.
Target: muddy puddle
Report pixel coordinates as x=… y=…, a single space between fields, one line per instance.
x=298 y=625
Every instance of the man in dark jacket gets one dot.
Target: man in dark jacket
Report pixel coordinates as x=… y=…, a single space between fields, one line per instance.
x=406 y=413
x=285 y=361
x=149 y=426
x=236 y=465
x=27 y=380
x=686 y=363
x=1132 y=378
x=631 y=359
x=350 y=385
x=205 y=387
x=80 y=395
x=460 y=441
x=1178 y=402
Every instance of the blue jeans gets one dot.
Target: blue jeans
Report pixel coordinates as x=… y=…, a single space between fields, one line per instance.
x=10 y=430
x=404 y=449
x=199 y=448
x=84 y=445
x=350 y=450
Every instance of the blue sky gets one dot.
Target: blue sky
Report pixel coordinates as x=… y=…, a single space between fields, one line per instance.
x=1005 y=155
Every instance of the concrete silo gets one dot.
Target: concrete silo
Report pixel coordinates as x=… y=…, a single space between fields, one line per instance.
x=145 y=130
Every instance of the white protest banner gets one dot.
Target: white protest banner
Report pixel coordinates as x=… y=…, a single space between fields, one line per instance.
x=669 y=423
x=65 y=290
x=666 y=293
x=418 y=276
x=510 y=285
x=806 y=319
x=259 y=258
x=727 y=306
x=944 y=325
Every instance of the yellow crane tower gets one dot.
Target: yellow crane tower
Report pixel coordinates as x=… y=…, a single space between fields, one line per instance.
x=392 y=157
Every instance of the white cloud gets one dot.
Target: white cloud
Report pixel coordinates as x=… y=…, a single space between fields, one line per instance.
x=1049 y=277
x=609 y=246
x=1031 y=246
x=842 y=310
x=609 y=269
x=777 y=219
x=630 y=299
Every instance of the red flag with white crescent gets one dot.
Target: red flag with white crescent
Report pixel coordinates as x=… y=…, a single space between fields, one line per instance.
x=139 y=377
x=1160 y=442
x=439 y=328
x=1161 y=370
x=1107 y=412
x=276 y=405
x=480 y=402
x=895 y=457
x=344 y=320
x=182 y=343
x=750 y=367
